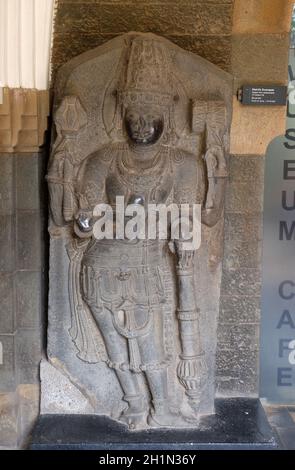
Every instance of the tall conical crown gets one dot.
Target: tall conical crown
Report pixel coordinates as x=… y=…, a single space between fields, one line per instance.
x=147 y=77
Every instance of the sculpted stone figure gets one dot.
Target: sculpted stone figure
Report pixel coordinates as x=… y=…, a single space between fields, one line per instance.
x=134 y=304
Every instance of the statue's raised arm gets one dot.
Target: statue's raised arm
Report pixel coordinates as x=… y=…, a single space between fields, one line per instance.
x=211 y=120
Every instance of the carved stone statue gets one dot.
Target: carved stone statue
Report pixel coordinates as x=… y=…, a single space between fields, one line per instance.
x=141 y=119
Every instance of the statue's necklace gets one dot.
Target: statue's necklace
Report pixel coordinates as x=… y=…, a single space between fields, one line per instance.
x=137 y=166
x=134 y=176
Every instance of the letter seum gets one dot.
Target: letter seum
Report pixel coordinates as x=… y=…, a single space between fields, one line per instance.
x=278 y=291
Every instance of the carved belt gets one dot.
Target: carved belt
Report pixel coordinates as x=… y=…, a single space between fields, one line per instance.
x=107 y=262
x=115 y=287
x=124 y=255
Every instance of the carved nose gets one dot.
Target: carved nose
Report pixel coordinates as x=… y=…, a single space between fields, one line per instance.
x=143 y=124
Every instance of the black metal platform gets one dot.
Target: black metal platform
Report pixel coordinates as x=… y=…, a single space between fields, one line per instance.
x=239 y=423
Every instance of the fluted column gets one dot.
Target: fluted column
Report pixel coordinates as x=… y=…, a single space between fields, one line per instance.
x=25 y=43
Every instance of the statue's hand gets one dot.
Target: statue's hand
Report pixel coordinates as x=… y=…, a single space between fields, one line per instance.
x=215 y=162
x=84 y=222
x=216 y=174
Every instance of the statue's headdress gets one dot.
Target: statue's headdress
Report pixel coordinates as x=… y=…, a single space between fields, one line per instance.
x=147 y=75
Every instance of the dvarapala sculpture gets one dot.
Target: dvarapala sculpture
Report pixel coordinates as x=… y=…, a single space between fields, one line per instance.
x=141 y=119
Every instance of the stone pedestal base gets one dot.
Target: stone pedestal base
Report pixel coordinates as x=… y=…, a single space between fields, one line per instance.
x=239 y=423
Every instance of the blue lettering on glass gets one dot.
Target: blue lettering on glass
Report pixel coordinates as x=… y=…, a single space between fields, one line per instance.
x=291 y=137
x=287 y=231
x=285 y=292
x=284 y=377
x=277 y=380
x=285 y=202
x=284 y=346
x=286 y=320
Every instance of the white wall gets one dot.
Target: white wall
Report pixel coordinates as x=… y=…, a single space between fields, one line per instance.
x=25 y=43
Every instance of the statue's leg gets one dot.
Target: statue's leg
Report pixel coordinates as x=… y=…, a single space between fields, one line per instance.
x=153 y=356
x=117 y=349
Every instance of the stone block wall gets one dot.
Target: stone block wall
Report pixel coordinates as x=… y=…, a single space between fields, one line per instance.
x=237 y=360
x=22 y=296
x=200 y=26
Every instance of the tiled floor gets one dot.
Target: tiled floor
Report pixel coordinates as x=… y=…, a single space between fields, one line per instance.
x=282 y=420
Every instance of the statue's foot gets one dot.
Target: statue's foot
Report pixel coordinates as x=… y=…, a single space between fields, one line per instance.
x=134 y=420
x=190 y=413
x=135 y=415
x=164 y=417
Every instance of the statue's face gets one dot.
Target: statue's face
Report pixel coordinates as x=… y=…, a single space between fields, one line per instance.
x=144 y=126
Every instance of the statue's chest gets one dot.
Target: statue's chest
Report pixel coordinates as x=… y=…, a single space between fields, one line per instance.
x=140 y=187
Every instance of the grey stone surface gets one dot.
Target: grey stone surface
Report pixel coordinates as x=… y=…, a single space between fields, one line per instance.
x=238 y=332
x=242 y=254
x=245 y=188
x=7 y=367
x=6 y=182
x=241 y=363
x=27 y=181
x=243 y=227
x=244 y=197
x=242 y=282
x=8 y=420
x=279 y=417
x=239 y=309
x=246 y=168
x=28 y=355
x=238 y=424
x=28 y=299
x=7 y=320
x=242 y=386
x=7 y=244
x=28 y=411
x=20 y=291
x=282 y=419
x=287 y=437
x=60 y=395
x=28 y=240
x=243 y=240
x=236 y=337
